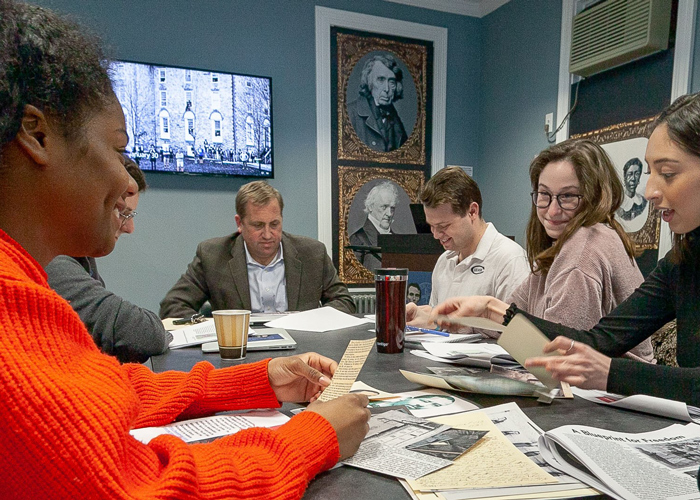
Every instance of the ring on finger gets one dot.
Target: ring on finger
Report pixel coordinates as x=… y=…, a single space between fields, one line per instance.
x=570 y=347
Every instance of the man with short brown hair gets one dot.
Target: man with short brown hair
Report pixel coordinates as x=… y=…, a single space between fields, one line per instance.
x=259 y=267
x=478 y=259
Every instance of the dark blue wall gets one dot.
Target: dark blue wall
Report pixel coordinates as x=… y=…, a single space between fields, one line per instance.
x=520 y=67
x=267 y=37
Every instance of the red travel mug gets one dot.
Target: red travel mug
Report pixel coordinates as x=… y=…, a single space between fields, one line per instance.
x=390 y=314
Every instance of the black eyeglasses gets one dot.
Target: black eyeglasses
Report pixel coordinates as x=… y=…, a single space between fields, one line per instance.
x=567 y=201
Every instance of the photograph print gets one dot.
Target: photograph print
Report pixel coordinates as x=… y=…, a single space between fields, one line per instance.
x=626 y=144
x=373 y=201
x=194 y=121
x=382 y=98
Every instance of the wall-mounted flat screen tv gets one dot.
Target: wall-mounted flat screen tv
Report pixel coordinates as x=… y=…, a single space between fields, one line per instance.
x=192 y=121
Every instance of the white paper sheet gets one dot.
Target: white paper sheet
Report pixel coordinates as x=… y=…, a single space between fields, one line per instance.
x=207 y=428
x=323 y=319
x=457 y=351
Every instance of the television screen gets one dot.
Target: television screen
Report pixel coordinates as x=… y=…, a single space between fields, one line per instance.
x=191 y=121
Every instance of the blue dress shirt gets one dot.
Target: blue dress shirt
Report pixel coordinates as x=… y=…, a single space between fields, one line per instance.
x=267 y=284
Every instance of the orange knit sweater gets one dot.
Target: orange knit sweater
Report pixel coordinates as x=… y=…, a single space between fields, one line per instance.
x=66 y=411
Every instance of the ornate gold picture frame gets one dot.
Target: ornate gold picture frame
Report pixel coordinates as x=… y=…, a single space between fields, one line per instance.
x=354 y=52
x=354 y=184
x=625 y=143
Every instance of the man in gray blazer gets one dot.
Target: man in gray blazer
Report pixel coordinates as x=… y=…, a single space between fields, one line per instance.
x=260 y=267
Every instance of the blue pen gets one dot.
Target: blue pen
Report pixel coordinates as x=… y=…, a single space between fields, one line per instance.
x=415 y=329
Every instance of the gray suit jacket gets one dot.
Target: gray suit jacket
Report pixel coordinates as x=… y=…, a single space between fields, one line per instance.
x=219 y=274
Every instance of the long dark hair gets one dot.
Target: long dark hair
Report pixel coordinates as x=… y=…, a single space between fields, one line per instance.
x=682 y=120
x=601 y=189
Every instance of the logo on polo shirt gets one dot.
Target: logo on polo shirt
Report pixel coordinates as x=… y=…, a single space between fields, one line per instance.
x=477 y=269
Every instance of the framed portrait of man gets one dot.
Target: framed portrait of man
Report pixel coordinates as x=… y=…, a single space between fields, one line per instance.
x=373 y=201
x=381 y=112
x=382 y=97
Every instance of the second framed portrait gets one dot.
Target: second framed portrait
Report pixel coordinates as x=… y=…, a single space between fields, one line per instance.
x=373 y=201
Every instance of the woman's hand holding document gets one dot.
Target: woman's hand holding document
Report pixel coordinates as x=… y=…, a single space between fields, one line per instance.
x=577 y=364
x=522 y=340
x=559 y=360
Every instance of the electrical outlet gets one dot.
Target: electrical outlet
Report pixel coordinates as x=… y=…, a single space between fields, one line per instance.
x=548 y=123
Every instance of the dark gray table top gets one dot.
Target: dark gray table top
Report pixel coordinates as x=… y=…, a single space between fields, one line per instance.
x=382 y=371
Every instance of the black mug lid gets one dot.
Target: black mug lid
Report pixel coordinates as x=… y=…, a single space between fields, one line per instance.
x=391 y=271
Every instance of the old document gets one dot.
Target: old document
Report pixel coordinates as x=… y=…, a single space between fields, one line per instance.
x=348 y=369
x=493 y=463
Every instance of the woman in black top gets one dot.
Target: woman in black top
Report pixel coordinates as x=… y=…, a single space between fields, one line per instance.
x=591 y=357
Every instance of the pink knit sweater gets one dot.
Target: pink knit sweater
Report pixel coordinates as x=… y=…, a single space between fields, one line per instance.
x=591 y=275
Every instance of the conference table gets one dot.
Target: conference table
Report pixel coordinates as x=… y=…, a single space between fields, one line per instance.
x=382 y=372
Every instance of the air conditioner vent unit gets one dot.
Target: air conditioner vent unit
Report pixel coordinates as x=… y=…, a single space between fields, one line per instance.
x=615 y=32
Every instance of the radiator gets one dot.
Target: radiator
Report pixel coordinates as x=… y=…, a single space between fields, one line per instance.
x=364 y=303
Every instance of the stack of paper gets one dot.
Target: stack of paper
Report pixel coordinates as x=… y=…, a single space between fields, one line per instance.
x=481 y=355
x=405 y=446
x=505 y=464
x=209 y=428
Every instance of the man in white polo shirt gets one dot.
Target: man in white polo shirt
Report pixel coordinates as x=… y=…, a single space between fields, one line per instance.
x=478 y=259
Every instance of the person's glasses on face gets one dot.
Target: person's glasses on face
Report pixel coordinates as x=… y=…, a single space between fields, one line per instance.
x=567 y=201
x=126 y=217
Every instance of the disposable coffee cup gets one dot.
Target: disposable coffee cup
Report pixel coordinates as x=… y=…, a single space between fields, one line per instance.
x=232 y=332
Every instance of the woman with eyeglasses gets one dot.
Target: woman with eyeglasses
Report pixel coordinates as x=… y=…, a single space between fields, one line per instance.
x=582 y=261
x=672 y=290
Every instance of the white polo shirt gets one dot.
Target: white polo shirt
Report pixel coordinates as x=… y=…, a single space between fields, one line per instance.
x=496 y=268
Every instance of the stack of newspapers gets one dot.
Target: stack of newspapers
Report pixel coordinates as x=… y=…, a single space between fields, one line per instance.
x=506 y=463
x=654 y=465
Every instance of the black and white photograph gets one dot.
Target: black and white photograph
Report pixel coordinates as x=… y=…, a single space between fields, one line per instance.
x=676 y=455
x=450 y=444
x=373 y=201
x=628 y=157
x=413 y=293
x=382 y=94
x=182 y=120
x=381 y=101
x=626 y=144
x=379 y=207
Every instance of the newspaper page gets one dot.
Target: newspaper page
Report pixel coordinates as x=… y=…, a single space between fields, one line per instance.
x=209 y=428
x=384 y=449
x=654 y=465
x=349 y=367
x=643 y=403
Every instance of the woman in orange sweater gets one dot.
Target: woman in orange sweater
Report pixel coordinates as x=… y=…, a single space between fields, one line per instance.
x=65 y=408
